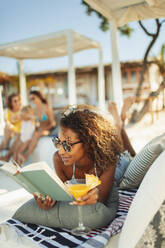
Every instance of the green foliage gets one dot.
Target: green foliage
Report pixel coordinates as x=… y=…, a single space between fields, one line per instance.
x=104 y=23
x=162 y=53
x=161 y=60
x=126 y=30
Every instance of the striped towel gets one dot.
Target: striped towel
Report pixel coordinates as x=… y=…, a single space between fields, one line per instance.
x=47 y=237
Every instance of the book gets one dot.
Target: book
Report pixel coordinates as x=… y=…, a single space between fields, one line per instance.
x=38 y=178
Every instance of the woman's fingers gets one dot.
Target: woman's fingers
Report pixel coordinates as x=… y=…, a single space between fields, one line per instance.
x=48 y=203
x=90 y=198
x=44 y=203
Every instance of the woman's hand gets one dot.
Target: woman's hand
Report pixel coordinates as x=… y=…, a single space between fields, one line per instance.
x=45 y=204
x=90 y=198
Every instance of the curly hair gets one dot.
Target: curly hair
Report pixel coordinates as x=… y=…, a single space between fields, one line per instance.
x=95 y=130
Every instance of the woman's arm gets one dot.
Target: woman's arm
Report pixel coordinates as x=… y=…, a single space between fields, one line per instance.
x=51 y=123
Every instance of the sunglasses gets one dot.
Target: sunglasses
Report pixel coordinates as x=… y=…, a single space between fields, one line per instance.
x=66 y=145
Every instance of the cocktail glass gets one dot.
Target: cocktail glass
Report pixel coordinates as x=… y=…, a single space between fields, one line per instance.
x=78 y=188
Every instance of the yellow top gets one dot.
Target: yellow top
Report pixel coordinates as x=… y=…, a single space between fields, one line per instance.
x=13 y=120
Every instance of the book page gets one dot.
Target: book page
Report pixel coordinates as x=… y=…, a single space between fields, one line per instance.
x=45 y=185
x=10 y=168
x=43 y=166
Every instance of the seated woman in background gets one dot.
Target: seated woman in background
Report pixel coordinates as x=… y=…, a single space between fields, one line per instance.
x=12 y=119
x=20 y=145
x=87 y=144
x=44 y=121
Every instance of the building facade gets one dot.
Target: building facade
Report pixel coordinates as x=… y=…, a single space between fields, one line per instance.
x=54 y=84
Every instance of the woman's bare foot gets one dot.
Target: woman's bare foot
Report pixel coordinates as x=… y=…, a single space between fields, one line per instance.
x=112 y=108
x=126 y=106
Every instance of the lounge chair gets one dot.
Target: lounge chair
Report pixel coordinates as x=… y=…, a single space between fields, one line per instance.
x=145 y=211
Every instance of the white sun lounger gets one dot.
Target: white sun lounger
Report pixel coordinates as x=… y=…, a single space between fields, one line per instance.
x=145 y=205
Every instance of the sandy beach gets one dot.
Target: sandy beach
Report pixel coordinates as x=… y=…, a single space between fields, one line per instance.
x=142 y=132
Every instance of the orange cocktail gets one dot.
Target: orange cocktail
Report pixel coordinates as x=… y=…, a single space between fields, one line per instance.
x=78 y=190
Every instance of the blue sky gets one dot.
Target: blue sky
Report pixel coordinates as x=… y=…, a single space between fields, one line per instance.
x=21 y=19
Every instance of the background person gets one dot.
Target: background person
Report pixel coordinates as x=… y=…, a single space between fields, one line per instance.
x=44 y=121
x=23 y=139
x=28 y=126
x=12 y=119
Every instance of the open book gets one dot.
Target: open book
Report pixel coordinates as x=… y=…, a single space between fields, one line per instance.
x=39 y=178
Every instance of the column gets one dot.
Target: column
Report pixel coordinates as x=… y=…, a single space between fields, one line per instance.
x=101 y=82
x=116 y=73
x=22 y=83
x=71 y=70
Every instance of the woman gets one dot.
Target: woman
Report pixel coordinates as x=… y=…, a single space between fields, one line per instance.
x=44 y=121
x=87 y=144
x=12 y=119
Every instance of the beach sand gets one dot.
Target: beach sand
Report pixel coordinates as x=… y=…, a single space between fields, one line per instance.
x=142 y=132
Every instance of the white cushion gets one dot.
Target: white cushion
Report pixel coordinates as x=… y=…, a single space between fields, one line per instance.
x=147 y=201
